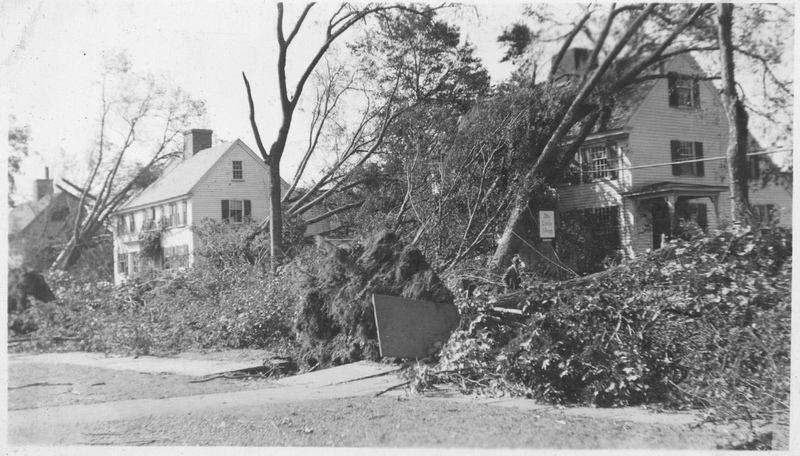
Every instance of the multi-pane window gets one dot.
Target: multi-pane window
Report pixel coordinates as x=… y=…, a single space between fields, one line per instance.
x=149 y=219
x=184 y=211
x=168 y=255
x=180 y=256
x=686 y=156
x=684 y=91
x=173 y=214
x=598 y=162
x=235 y=210
x=238 y=173
x=122 y=260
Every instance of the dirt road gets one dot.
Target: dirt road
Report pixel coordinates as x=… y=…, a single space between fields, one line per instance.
x=52 y=402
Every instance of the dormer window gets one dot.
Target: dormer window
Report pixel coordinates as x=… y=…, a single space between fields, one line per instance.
x=684 y=91
x=238 y=173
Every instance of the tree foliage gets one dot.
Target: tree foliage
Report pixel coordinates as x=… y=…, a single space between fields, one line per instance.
x=18 y=137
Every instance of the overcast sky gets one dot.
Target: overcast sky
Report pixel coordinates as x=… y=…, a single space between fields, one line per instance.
x=52 y=53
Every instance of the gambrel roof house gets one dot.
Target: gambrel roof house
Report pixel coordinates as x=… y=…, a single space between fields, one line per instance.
x=227 y=182
x=632 y=180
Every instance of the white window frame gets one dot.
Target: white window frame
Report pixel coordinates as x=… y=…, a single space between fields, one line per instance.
x=595 y=162
x=184 y=213
x=231 y=210
x=122 y=259
x=684 y=91
x=687 y=152
x=240 y=170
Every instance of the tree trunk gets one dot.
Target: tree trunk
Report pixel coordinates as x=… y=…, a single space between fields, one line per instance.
x=737 y=119
x=511 y=241
x=276 y=216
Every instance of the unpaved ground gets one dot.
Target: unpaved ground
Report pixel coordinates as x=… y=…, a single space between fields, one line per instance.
x=33 y=385
x=396 y=422
x=395 y=419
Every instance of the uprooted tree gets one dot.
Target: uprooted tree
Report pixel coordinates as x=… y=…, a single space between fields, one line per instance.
x=628 y=42
x=140 y=120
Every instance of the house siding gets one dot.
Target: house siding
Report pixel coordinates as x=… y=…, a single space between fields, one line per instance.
x=777 y=195
x=219 y=185
x=651 y=128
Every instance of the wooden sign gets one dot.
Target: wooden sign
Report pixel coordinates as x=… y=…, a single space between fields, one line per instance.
x=547 y=224
x=407 y=328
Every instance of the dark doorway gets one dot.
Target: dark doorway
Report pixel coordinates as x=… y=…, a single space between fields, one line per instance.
x=662 y=224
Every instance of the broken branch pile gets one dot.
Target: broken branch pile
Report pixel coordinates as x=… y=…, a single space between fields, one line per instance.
x=697 y=323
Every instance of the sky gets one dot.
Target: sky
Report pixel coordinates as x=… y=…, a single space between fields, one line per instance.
x=51 y=53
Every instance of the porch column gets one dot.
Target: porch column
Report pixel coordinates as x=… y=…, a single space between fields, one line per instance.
x=673 y=224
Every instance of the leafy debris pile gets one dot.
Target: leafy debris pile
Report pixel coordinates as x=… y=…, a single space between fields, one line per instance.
x=704 y=322
x=335 y=322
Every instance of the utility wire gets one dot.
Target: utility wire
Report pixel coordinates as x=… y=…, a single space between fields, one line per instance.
x=696 y=160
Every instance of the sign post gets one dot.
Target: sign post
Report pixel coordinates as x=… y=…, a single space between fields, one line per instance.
x=547 y=225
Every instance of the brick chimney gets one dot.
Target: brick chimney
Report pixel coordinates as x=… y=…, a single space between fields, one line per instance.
x=196 y=140
x=43 y=187
x=573 y=63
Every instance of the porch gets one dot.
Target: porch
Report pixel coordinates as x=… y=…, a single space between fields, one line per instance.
x=658 y=209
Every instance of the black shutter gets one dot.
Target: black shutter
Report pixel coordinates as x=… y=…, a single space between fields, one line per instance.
x=224 y=210
x=698 y=153
x=246 y=209
x=696 y=93
x=673 y=95
x=676 y=156
x=613 y=162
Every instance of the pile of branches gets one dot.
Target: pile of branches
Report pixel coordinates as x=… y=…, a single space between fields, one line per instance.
x=335 y=321
x=698 y=323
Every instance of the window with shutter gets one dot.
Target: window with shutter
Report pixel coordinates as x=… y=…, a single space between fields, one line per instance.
x=685 y=156
x=684 y=91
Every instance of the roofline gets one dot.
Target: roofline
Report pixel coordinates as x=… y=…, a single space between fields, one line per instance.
x=157 y=203
x=237 y=141
x=617 y=133
x=675 y=188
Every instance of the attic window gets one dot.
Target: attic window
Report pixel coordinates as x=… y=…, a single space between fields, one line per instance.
x=684 y=91
x=238 y=173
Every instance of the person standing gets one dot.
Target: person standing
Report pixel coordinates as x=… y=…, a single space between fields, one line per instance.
x=511 y=279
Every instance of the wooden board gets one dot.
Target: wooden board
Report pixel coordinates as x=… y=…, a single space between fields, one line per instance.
x=407 y=327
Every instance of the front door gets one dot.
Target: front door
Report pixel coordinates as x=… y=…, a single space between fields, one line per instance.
x=661 y=223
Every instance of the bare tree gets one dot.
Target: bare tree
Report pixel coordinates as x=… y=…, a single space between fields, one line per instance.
x=140 y=119
x=341 y=21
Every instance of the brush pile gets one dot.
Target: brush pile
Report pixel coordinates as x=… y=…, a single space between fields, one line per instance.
x=700 y=323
